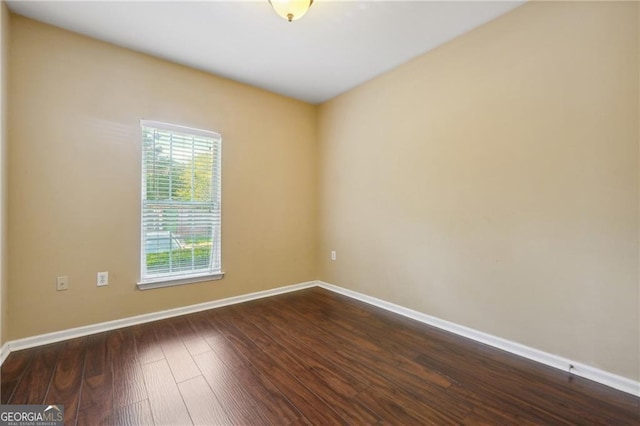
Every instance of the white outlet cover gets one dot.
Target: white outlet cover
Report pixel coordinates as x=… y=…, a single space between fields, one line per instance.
x=62 y=283
x=103 y=279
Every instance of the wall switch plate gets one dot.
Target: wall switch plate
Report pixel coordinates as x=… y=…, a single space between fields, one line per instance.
x=333 y=255
x=103 y=279
x=62 y=283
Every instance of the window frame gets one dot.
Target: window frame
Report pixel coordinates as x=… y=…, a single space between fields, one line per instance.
x=173 y=279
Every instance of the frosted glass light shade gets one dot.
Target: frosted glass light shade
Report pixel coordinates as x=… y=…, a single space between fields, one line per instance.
x=291 y=9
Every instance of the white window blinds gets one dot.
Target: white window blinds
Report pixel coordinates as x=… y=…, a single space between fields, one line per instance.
x=181 y=211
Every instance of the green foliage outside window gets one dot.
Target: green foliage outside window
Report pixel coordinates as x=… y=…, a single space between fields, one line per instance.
x=179 y=257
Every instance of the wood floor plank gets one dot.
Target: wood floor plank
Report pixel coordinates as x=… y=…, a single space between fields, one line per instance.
x=128 y=383
x=96 y=399
x=270 y=400
x=423 y=397
x=94 y=416
x=401 y=410
x=194 y=342
x=147 y=343
x=97 y=360
x=293 y=334
x=175 y=352
x=487 y=406
x=12 y=371
x=302 y=361
x=136 y=414
x=312 y=408
x=165 y=400
x=203 y=406
x=231 y=392
x=203 y=326
x=66 y=384
x=482 y=415
x=35 y=382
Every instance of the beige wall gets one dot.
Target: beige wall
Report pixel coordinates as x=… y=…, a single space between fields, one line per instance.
x=74 y=168
x=4 y=50
x=493 y=182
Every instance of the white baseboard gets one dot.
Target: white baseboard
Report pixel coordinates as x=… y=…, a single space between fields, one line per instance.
x=44 y=339
x=4 y=352
x=604 y=377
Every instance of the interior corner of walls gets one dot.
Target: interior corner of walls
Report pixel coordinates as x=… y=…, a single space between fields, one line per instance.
x=606 y=378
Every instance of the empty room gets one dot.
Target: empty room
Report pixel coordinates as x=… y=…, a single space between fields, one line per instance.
x=321 y=212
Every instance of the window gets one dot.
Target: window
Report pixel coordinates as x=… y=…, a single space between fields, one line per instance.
x=181 y=211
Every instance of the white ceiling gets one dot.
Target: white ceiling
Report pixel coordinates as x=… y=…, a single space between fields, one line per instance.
x=336 y=46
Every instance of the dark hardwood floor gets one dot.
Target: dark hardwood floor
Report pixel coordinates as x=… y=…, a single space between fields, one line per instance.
x=309 y=357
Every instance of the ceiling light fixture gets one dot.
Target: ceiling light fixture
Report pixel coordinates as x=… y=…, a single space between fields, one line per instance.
x=291 y=9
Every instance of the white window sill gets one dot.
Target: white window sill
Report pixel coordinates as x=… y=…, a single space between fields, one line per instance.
x=173 y=281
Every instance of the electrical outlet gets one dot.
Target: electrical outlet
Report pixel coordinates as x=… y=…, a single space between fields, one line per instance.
x=62 y=283
x=333 y=255
x=103 y=279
